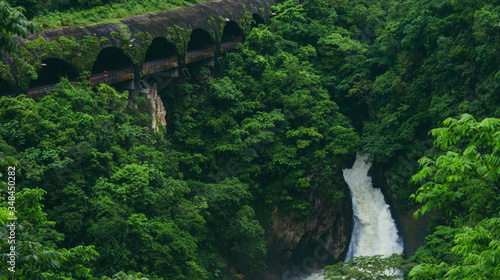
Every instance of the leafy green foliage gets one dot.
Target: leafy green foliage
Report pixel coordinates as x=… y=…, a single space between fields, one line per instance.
x=37 y=256
x=475 y=254
x=114 y=183
x=13 y=23
x=438 y=247
x=480 y=249
x=461 y=182
x=368 y=268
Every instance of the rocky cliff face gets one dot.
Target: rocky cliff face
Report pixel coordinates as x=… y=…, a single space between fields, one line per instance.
x=298 y=247
x=156 y=108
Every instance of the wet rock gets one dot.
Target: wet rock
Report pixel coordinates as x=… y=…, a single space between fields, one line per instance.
x=300 y=246
x=157 y=110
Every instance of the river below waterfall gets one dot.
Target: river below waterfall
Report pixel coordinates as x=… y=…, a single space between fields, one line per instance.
x=374 y=231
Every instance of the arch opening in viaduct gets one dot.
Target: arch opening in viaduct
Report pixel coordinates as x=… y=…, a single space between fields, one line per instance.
x=52 y=71
x=232 y=31
x=110 y=59
x=257 y=20
x=160 y=48
x=200 y=39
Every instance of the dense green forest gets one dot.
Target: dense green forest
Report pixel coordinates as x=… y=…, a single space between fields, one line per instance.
x=100 y=194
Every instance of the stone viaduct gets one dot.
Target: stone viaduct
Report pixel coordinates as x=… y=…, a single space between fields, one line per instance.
x=159 y=45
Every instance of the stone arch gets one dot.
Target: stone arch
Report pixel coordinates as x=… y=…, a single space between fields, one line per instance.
x=200 y=39
x=232 y=31
x=52 y=71
x=5 y=88
x=110 y=59
x=258 y=20
x=160 y=48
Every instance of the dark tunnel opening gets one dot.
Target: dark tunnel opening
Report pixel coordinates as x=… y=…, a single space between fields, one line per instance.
x=160 y=48
x=200 y=39
x=5 y=88
x=52 y=71
x=110 y=59
x=258 y=20
x=231 y=32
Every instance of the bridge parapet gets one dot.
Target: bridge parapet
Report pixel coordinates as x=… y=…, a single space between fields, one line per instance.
x=112 y=77
x=228 y=46
x=197 y=55
x=159 y=65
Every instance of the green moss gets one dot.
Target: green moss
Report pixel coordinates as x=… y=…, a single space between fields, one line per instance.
x=26 y=64
x=211 y=21
x=25 y=71
x=44 y=49
x=69 y=46
x=134 y=48
x=214 y=37
x=122 y=34
x=246 y=23
x=221 y=27
x=171 y=35
x=141 y=36
x=27 y=55
x=184 y=36
x=104 y=41
x=137 y=49
x=84 y=59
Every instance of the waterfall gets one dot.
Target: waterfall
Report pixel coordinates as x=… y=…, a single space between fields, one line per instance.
x=374 y=231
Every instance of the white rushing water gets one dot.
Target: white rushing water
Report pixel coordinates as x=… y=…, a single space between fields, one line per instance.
x=374 y=231
x=314 y=277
